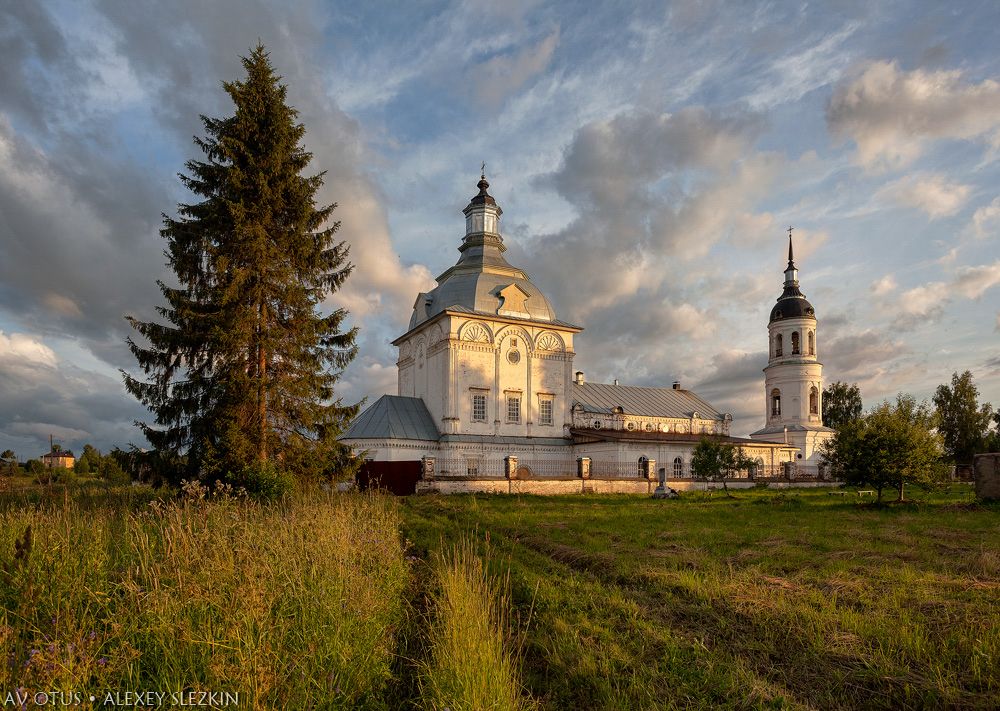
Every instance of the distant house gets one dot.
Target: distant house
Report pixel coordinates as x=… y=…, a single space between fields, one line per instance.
x=60 y=459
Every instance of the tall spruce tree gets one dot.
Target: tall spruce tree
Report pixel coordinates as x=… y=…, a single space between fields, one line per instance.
x=241 y=377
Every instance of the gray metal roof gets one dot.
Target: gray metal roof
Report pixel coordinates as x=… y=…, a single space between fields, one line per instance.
x=394 y=417
x=653 y=402
x=778 y=429
x=555 y=321
x=476 y=280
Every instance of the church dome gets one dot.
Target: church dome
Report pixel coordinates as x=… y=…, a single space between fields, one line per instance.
x=792 y=304
x=483 y=281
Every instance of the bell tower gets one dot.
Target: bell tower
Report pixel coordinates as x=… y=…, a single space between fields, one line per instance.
x=793 y=378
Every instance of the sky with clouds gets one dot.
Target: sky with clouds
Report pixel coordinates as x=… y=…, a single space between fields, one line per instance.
x=648 y=158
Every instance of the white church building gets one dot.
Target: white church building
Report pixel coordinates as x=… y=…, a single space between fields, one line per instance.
x=488 y=399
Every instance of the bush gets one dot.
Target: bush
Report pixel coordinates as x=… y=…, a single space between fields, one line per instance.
x=263 y=481
x=111 y=471
x=54 y=475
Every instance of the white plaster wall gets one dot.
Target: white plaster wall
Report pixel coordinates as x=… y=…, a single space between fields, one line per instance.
x=381 y=450
x=793 y=375
x=484 y=365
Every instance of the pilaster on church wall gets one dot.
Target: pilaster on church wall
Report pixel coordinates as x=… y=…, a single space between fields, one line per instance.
x=472 y=349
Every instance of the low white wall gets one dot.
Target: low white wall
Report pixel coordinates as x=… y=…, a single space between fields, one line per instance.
x=546 y=487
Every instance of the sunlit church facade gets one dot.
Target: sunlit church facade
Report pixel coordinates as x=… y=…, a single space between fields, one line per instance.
x=488 y=398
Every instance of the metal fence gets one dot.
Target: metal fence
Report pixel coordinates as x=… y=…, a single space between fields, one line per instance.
x=495 y=467
x=616 y=470
x=469 y=467
x=542 y=468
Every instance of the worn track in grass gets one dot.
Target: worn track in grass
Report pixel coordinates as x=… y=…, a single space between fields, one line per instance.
x=769 y=600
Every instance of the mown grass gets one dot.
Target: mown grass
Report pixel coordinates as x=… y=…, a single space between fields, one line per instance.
x=792 y=599
x=292 y=605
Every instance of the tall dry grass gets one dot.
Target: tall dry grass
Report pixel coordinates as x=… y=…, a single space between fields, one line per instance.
x=293 y=605
x=473 y=657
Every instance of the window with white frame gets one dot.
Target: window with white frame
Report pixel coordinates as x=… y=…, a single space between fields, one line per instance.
x=678 y=467
x=514 y=408
x=479 y=407
x=545 y=411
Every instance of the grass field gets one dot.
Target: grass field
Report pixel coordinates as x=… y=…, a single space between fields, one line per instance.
x=290 y=605
x=795 y=599
x=772 y=599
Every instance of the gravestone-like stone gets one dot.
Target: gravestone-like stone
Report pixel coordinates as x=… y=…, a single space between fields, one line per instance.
x=987 y=474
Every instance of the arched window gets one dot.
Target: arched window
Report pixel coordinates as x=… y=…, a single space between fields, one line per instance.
x=678 y=467
x=775 y=403
x=795 y=342
x=812 y=343
x=758 y=467
x=643 y=466
x=777 y=345
x=813 y=401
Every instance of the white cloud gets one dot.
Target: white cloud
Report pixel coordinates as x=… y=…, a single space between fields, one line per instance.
x=986 y=220
x=972 y=282
x=499 y=76
x=891 y=114
x=935 y=195
x=884 y=285
x=926 y=300
x=23 y=347
x=794 y=75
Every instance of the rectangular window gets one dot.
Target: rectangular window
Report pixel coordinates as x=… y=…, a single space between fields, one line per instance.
x=513 y=408
x=479 y=407
x=545 y=411
x=472 y=467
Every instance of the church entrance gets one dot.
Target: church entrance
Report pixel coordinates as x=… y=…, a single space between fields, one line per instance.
x=399 y=478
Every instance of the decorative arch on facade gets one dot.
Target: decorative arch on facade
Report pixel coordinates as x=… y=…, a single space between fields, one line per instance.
x=405 y=351
x=476 y=332
x=549 y=341
x=524 y=340
x=421 y=351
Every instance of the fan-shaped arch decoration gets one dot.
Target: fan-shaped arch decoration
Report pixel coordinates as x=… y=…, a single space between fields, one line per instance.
x=549 y=342
x=476 y=332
